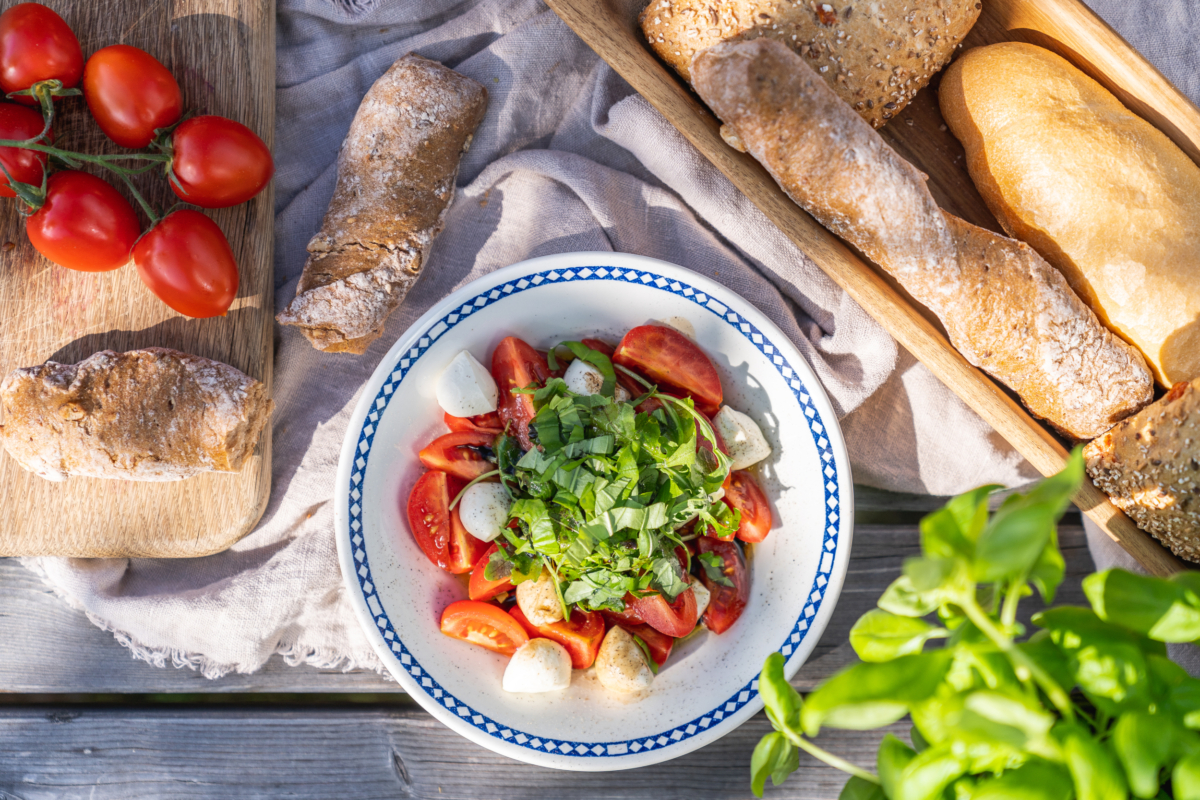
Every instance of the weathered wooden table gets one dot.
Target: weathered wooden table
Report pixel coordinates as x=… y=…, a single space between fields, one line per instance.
x=82 y=719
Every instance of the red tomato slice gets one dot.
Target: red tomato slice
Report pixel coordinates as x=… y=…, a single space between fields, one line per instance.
x=462 y=454
x=429 y=516
x=516 y=365
x=727 y=602
x=483 y=624
x=597 y=344
x=674 y=619
x=465 y=549
x=481 y=422
x=481 y=588
x=627 y=618
x=581 y=635
x=659 y=643
x=742 y=493
x=669 y=358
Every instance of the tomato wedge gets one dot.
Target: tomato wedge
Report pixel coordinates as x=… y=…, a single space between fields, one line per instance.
x=438 y=531
x=516 y=365
x=481 y=422
x=462 y=454
x=674 y=619
x=727 y=602
x=581 y=635
x=483 y=624
x=481 y=588
x=597 y=344
x=627 y=618
x=669 y=358
x=742 y=493
x=658 y=643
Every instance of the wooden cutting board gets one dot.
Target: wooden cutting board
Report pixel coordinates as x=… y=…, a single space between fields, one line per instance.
x=1067 y=27
x=222 y=52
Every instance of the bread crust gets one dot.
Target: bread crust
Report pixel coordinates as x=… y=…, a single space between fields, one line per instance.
x=1100 y=193
x=145 y=415
x=876 y=55
x=396 y=174
x=1149 y=466
x=1004 y=308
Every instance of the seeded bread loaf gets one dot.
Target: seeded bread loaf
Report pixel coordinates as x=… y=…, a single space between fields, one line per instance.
x=1102 y=194
x=1149 y=465
x=144 y=415
x=1004 y=308
x=875 y=55
x=396 y=174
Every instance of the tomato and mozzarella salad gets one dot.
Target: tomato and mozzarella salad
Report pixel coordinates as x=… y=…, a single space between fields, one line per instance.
x=598 y=497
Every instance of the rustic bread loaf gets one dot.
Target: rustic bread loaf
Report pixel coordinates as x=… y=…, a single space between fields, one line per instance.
x=1100 y=193
x=396 y=174
x=875 y=55
x=1149 y=465
x=145 y=415
x=1005 y=309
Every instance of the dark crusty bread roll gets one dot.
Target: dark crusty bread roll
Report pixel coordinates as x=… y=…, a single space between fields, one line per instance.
x=396 y=174
x=1005 y=309
x=1149 y=465
x=144 y=415
x=875 y=55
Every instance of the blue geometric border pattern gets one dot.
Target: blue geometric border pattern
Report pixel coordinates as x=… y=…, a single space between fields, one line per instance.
x=431 y=687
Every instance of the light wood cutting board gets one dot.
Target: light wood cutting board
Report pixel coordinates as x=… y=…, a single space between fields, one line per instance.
x=1067 y=27
x=222 y=52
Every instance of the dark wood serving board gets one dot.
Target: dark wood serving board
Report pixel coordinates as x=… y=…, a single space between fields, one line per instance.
x=222 y=52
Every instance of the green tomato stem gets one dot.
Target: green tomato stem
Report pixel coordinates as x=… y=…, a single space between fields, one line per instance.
x=821 y=754
x=1057 y=695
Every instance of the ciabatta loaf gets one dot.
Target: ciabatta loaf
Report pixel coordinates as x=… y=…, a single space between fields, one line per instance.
x=875 y=55
x=396 y=174
x=145 y=415
x=1004 y=308
x=1149 y=465
x=1102 y=194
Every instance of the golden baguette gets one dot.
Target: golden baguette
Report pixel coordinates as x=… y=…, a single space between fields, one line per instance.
x=1004 y=308
x=1102 y=194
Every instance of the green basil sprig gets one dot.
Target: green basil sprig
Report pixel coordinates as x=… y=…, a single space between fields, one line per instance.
x=1088 y=707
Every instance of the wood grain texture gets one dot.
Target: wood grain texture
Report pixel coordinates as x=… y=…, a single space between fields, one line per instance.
x=64 y=653
x=364 y=753
x=1065 y=26
x=222 y=52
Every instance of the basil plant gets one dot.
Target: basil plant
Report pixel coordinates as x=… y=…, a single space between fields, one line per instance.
x=1088 y=706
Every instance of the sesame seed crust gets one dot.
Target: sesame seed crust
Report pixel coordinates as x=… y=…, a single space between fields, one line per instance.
x=1149 y=466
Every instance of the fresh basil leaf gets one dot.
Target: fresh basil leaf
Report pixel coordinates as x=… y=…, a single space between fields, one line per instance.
x=858 y=789
x=668 y=577
x=1013 y=540
x=1108 y=662
x=1036 y=779
x=714 y=568
x=928 y=773
x=1042 y=650
x=893 y=756
x=869 y=695
x=1048 y=570
x=541 y=529
x=1185 y=778
x=903 y=599
x=969 y=511
x=782 y=702
x=774 y=756
x=594 y=357
x=1142 y=743
x=929 y=574
x=498 y=566
x=881 y=636
x=1094 y=770
x=1155 y=607
x=918 y=739
x=941 y=536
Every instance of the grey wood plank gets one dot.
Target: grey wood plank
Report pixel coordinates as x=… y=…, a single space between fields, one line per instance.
x=130 y=754
x=53 y=649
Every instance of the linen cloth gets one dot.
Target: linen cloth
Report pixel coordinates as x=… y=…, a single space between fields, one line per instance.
x=568 y=158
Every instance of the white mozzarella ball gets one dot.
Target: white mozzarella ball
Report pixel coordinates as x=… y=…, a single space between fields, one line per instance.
x=583 y=378
x=703 y=596
x=484 y=510
x=743 y=438
x=538 y=600
x=466 y=388
x=621 y=665
x=539 y=665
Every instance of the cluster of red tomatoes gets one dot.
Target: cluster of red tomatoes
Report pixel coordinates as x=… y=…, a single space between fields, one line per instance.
x=80 y=221
x=679 y=367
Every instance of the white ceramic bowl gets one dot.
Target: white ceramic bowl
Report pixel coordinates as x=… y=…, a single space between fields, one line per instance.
x=709 y=685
